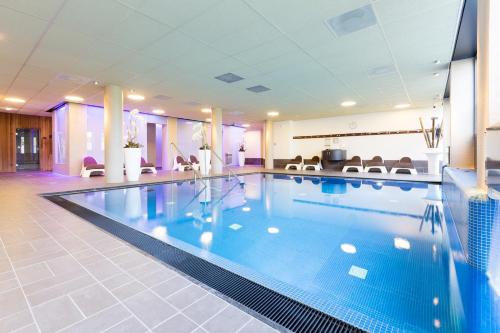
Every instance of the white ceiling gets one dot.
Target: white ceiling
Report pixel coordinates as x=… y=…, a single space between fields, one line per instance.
x=52 y=48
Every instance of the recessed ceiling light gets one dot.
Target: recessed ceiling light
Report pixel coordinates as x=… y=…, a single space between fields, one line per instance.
x=208 y=120
x=158 y=111
x=402 y=106
x=71 y=98
x=273 y=230
x=273 y=113
x=206 y=110
x=245 y=125
x=96 y=83
x=348 y=103
x=435 y=74
x=8 y=108
x=14 y=100
x=135 y=97
x=348 y=248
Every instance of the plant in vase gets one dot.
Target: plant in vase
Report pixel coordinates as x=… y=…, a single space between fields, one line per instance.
x=132 y=147
x=241 y=155
x=432 y=138
x=204 y=153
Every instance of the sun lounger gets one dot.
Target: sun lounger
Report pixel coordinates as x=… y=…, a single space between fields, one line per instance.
x=313 y=163
x=404 y=165
x=147 y=167
x=354 y=164
x=376 y=164
x=90 y=166
x=194 y=162
x=181 y=165
x=295 y=164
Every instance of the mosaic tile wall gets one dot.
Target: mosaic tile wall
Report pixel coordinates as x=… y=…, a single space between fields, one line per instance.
x=476 y=218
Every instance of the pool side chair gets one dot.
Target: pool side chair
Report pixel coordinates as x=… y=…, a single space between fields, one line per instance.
x=194 y=162
x=90 y=166
x=404 y=165
x=314 y=164
x=181 y=165
x=295 y=164
x=354 y=164
x=147 y=167
x=376 y=164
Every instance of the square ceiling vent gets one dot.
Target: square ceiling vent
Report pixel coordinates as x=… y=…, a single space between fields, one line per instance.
x=258 y=89
x=352 y=21
x=162 y=97
x=229 y=78
x=381 y=71
x=192 y=103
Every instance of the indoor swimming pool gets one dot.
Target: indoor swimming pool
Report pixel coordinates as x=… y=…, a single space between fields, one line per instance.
x=374 y=254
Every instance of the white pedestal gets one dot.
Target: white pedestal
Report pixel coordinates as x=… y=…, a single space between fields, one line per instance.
x=241 y=158
x=434 y=156
x=133 y=163
x=204 y=156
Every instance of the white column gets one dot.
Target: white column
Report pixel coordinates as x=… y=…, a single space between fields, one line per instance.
x=268 y=139
x=462 y=87
x=483 y=87
x=113 y=133
x=169 y=136
x=77 y=137
x=217 y=140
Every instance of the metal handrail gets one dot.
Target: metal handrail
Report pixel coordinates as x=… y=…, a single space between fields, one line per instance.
x=195 y=172
x=230 y=171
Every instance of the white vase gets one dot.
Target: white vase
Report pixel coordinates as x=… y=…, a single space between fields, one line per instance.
x=204 y=156
x=241 y=158
x=433 y=157
x=133 y=163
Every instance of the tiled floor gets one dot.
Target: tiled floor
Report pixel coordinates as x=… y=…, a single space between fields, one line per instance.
x=61 y=273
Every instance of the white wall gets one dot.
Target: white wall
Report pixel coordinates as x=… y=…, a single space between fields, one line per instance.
x=232 y=137
x=390 y=147
x=253 y=144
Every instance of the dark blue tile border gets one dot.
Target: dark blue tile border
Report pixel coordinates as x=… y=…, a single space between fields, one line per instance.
x=281 y=310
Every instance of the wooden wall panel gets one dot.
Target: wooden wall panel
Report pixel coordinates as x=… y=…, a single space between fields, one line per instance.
x=9 y=122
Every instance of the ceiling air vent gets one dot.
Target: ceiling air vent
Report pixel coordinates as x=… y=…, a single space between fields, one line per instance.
x=162 y=97
x=381 y=70
x=192 y=103
x=80 y=80
x=258 y=89
x=352 y=21
x=229 y=78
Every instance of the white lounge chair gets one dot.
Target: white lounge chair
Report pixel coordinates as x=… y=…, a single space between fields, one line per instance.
x=354 y=164
x=314 y=163
x=295 y=164
x=147 y=167
x=376 y=164
x=181 y=165
x=404 y=165
x=90 y=166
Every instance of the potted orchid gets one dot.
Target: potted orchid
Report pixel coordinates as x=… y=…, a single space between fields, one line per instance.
x=204 y=153
x=241 y=155
x=132 y=147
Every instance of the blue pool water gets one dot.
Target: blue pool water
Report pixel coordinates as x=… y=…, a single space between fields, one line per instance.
x=375 y=254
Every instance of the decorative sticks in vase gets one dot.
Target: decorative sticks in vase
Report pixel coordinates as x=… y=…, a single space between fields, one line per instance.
x=433 y=135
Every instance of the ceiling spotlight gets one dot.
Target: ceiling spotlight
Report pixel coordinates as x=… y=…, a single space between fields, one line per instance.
x=402 y=106
x=348 y=103
x=206 y=110
x=14 y=100
x=96 y=83
x=273 y=113
x=135 y=97
x=158 y=111
x=76 y=99
x=435 y=74
x=208 y=120
x=245 y=125
x=8 y=108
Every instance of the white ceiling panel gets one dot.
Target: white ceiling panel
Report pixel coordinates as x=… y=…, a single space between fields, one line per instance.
x=51 y=48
